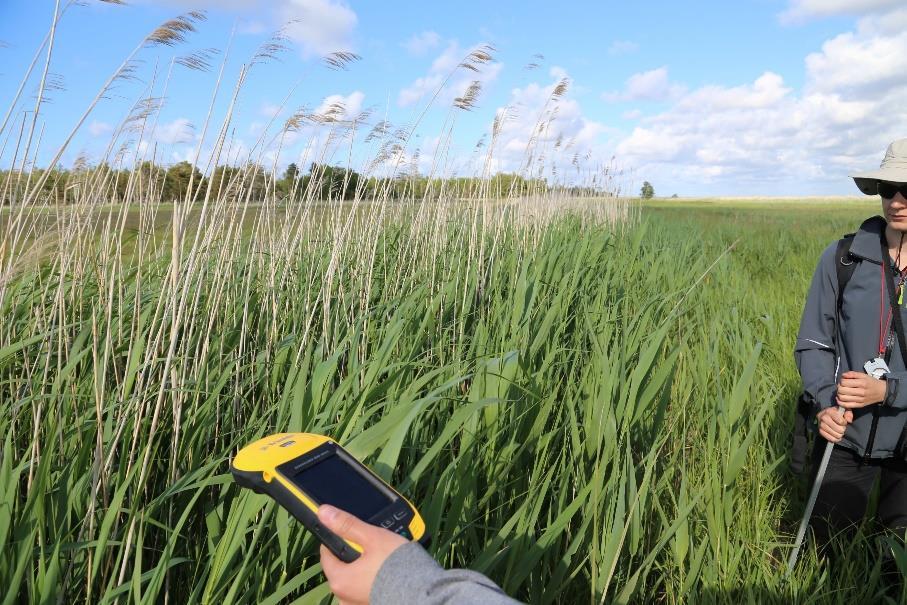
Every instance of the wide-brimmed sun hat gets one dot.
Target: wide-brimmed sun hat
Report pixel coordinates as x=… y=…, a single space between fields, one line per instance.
x=893 y=169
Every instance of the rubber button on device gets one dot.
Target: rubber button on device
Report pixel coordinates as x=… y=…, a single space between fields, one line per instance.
x=387 y=523
x=400 y=515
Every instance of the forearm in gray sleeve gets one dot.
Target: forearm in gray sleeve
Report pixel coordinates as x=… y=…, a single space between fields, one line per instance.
x=411 y=577
x=815 y=349
x=817 y=369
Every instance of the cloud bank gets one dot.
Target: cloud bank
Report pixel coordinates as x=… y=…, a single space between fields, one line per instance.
x=763 y=134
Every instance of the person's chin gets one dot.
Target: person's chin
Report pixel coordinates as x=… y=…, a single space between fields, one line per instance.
x=898 y=222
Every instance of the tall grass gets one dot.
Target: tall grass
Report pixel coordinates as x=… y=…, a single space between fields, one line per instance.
x=585 y=403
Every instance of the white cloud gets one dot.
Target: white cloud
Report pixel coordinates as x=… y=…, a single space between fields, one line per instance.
x=536 y=123
x=890 y=23
x=342 y=107
x=858 y=62
x=418 y=89
x=319 y=26
x=448 y=59
x=235 y=152
x=713 y=132
x=99 y=129
x=180 y=130
x=338 y=107
x=269 y=110
x=251 y=27
x=127 y=156
x=764 y=137
x=238 y=5
x=441 y=68
x=622 y=47
x=422 y=43
x=652 y=85
x=799 y=10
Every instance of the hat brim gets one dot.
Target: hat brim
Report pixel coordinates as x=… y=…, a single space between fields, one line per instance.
x=867 y=182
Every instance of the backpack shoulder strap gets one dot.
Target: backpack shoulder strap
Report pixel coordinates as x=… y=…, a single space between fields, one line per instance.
x=844 y=265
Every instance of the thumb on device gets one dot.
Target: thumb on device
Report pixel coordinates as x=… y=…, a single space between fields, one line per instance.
x=352 y=582
x=345 y=525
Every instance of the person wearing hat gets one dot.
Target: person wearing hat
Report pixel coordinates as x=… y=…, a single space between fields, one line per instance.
x=849 y=356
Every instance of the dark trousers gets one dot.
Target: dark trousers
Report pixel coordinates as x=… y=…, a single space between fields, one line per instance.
x=844 y=495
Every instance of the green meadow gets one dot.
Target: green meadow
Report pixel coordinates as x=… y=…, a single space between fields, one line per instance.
x=586 y=409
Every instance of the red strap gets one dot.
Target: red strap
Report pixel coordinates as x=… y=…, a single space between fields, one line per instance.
x=884 y=326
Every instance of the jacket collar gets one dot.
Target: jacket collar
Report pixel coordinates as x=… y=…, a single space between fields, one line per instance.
x=866 y=240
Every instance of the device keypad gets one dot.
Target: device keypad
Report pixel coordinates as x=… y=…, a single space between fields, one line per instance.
x=396 y=520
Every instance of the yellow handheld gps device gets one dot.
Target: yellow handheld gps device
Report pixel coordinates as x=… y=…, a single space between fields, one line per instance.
x=302 y=471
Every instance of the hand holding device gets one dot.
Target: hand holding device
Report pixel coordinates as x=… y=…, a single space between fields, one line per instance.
x=352 y=582
x=302 y=471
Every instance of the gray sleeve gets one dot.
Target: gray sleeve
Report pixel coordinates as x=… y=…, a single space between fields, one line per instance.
x=814 y=352
x=411 y=577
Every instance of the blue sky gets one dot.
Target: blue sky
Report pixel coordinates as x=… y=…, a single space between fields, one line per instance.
x=752 y=97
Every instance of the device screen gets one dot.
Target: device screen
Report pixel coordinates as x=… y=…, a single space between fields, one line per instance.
x=334 y=481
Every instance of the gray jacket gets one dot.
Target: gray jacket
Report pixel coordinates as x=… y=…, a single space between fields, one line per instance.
x=411 y=577
x=821 y=361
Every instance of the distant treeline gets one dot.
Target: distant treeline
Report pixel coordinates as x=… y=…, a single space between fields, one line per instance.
x=253 y=183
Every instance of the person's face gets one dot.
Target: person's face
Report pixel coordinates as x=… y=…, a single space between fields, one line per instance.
x=894 y=207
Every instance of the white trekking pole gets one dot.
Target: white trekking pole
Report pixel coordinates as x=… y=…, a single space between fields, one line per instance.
x=810 y=504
